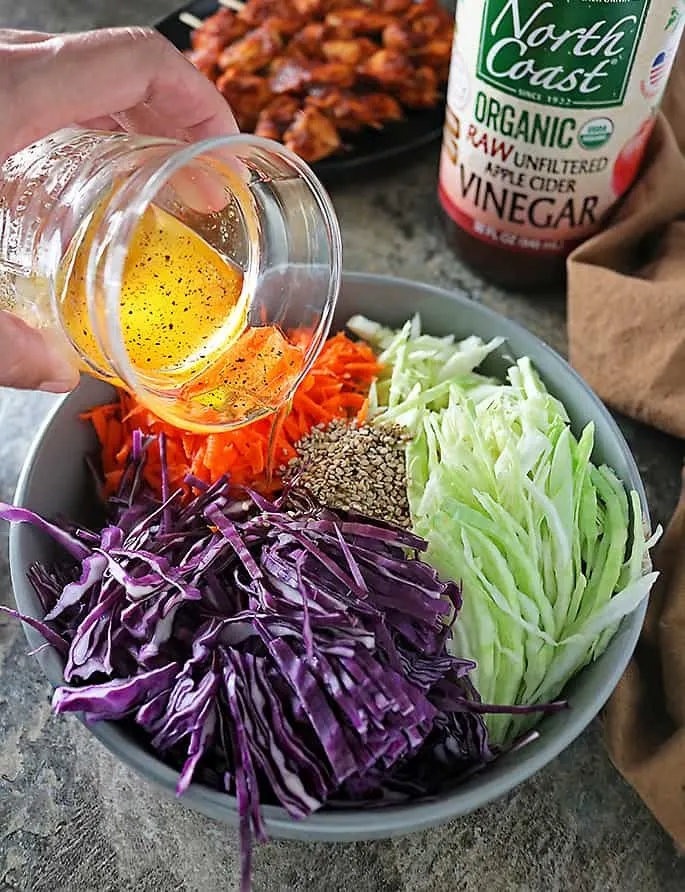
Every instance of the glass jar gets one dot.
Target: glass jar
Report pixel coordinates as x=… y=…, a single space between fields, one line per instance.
x=78 y=213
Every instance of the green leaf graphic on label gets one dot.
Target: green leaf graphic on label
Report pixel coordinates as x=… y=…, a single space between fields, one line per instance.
x=576 y=55
x=673 y=18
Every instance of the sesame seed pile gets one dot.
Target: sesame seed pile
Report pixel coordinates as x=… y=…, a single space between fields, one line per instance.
x=356 y=468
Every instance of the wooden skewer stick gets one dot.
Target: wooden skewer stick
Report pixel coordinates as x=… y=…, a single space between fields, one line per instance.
x=235 y=5
x=192 y=21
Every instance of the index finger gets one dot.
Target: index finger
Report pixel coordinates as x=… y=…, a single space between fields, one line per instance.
x=71 y=78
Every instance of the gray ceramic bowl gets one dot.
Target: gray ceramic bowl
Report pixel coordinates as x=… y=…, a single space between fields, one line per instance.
x=54 y=481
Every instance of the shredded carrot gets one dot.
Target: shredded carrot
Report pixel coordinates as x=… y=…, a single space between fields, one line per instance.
x=337 y=386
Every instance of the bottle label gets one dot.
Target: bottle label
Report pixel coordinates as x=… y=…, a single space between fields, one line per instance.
x=550 y=104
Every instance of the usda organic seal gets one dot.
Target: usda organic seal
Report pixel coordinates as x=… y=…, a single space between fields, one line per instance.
x=595 y=133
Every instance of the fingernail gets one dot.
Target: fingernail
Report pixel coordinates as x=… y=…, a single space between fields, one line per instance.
x=201 y=191
x=63 y=385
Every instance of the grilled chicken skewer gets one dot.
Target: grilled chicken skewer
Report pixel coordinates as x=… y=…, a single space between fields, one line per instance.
x=311 y=73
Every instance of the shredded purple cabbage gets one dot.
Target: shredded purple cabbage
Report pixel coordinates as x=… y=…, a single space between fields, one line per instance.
x=264 y=646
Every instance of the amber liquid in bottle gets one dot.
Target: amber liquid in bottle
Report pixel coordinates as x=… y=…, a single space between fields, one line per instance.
x=508 y=269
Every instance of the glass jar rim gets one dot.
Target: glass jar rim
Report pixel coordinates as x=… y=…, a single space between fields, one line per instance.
x=128 y=214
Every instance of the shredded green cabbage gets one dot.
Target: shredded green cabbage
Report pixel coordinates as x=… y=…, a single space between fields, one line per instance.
x=551 y=550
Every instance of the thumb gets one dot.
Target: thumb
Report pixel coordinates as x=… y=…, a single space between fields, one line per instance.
x=29 y=360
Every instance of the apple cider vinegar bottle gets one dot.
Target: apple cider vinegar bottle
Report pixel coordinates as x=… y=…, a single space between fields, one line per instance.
x=549 y=109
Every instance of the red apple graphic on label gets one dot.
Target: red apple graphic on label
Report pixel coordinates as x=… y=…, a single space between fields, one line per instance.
x=629 y=158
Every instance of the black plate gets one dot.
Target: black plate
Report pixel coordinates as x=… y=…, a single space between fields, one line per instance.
x=370 y=148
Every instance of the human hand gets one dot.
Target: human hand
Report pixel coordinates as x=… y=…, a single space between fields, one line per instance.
x=115 y=79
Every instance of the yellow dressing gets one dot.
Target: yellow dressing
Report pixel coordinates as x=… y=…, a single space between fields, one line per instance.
x=184 y=326
x=254 y=375
x=180 y=299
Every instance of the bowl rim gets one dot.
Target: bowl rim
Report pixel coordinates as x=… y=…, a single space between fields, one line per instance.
x=343 y=825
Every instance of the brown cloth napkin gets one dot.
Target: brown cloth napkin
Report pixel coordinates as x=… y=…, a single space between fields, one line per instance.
x=626 y=286
x=626 y=317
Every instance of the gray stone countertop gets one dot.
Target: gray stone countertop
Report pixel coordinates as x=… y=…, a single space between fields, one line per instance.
x=72 y=819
